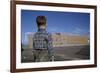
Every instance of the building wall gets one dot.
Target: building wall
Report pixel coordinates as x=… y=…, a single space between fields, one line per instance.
x=68 y=40
x=30 y=40
x=63 y=40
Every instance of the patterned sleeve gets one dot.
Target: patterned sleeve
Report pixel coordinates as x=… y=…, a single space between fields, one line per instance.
x=50 y=44
x=33 y=43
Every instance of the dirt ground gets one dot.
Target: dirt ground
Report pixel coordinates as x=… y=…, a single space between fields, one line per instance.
x=61 y=53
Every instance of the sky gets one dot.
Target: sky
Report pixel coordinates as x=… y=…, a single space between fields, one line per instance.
x=74 y=23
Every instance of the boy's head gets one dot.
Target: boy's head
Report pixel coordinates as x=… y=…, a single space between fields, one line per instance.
x=41 y=21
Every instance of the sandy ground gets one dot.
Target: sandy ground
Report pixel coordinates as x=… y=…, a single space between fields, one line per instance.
x=61 y=53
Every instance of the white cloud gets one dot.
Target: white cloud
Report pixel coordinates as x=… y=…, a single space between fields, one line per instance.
x=78 y=30
x=81 y=31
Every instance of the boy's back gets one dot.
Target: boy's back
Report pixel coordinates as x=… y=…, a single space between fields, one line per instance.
x=42 y=42
x=41 y=39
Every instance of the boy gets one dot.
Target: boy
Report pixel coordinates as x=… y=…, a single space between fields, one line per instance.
x=42 y=42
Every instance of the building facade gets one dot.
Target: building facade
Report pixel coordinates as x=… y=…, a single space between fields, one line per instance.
x=60 y=39
x=68 y=40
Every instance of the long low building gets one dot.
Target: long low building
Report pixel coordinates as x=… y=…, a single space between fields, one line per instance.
x=69 y=40
x=60 y=39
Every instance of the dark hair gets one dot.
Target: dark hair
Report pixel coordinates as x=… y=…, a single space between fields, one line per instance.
x=41 y=20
